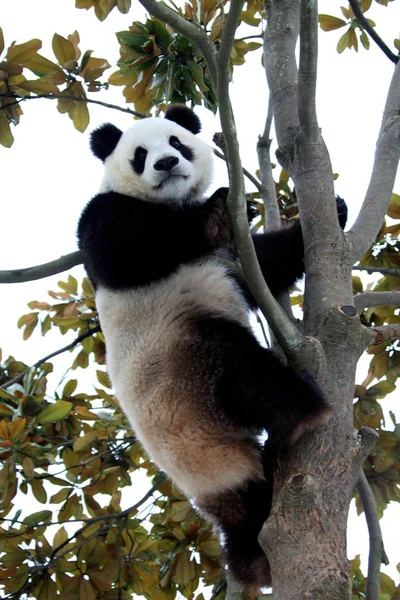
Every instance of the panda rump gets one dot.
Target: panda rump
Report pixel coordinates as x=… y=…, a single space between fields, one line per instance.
x=187 y=369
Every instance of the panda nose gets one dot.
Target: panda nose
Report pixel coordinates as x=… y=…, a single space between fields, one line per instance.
x=166 y=164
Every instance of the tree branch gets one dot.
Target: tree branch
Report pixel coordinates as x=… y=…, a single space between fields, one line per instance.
x=280 y=65
x=308 y=68
x=77 y=340
x=368 y=299
x=385 y=333
x=268 y=191
x=40 y=271
x=387 y=155
x=191 y=30
x=287 y=334
x=69 y=97
x=356 y=8
x=382 y=270
x=377 y=554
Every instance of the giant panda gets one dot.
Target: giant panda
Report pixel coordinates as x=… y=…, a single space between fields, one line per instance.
x=187 y=369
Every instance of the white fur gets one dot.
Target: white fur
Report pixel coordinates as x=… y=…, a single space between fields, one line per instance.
x=188 y=178
x=149 y=342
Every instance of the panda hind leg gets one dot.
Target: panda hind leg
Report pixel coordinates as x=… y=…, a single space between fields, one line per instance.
x=239 y=515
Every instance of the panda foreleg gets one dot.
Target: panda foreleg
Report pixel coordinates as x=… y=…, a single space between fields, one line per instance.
x=239 y=515
x=280 y=254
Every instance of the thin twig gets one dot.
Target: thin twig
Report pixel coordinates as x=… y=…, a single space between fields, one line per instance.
x=62 y=96
x=382 y=270
x=365 y=24
x=268 y=191
x=377 y=554
x=40 y=271
x=79 y=339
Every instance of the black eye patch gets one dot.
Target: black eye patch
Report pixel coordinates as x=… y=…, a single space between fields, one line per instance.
x=139 y=160
x=184 y=150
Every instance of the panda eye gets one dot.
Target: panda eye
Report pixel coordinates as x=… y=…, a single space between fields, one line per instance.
x=140 y=153
x=139 y=160
x=174 y=142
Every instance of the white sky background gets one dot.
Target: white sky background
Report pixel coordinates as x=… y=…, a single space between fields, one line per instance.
x=49 y=174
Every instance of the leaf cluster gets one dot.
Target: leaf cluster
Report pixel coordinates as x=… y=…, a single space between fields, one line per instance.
x=74 y=452
x=68 y=80
x=350 y=39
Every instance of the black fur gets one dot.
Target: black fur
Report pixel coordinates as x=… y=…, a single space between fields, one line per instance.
x=253 y=389
x=241 y=514
x=154 y=238
x=184 y=116
x=104 y=140
x=183 y=149
x=139 y=160
x=341 y=211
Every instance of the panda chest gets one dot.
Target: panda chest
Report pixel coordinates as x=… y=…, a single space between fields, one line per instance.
x=151 y=341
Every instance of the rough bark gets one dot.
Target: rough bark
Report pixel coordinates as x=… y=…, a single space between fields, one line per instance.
x=305 y=536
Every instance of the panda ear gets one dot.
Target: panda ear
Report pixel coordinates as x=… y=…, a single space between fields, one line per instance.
x=104 y=140
x=184 y=116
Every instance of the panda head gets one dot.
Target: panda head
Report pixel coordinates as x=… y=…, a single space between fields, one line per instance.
x=157 y=160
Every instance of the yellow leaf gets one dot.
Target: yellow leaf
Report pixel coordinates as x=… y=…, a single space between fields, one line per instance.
x=1 y=41
x=5 y=411
x=39 y=65
x=329 y=23
x=38 y=490
x=6 y=137
x=39 y=86
x=55 y=412
x=63 y=49
x=86 y=591
x=124 y=6
x=85 y=441
x=181 y=511
x=16 y=429
x=118 y=79
x=60 y=537
x=211 y=548
x=80 y=116
x=85 y=414
x=182 y=569
x=69 y=388
x=20 y=53
x=75 y=39
x=60 y=496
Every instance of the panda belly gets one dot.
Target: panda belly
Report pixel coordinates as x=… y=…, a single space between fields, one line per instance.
x=152 y=361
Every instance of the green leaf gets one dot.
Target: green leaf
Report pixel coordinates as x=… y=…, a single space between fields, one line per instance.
x=55 y=412
x=344 y=41
x=38 y=517
x=38 y=490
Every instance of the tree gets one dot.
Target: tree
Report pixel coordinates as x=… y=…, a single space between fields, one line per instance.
x=80 y=442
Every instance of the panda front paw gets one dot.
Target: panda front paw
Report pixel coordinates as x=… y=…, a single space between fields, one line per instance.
x=341 y=208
